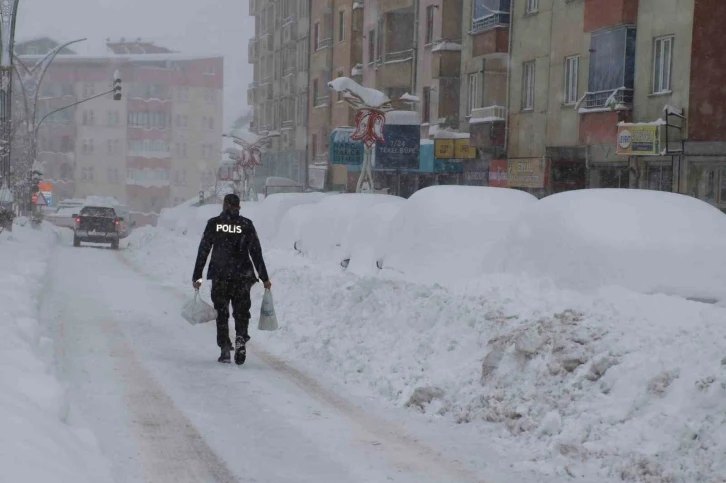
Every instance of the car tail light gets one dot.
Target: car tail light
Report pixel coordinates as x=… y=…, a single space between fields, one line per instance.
x=78 y=220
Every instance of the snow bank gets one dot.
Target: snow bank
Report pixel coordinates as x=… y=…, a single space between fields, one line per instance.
x=322 y=232
x=647 y=241
x=268 y=214
x=446 y=233
x=186 y=220
x=607 y=387
x=364 y=241
x=36 y=443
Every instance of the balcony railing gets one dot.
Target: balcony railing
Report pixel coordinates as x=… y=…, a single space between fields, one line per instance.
x=489 y=22
x=606 y=99
x=289 y=70
x=322 y=101
x=400 y=56
x=324 y=43
x=288 y=124
x=252 y=85
x=289 y=20
x=488 y=114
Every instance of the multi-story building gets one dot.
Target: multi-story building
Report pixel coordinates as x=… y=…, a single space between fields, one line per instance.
x=584 y=68
x=157 y=147
x=280 y=55
x=336 y=51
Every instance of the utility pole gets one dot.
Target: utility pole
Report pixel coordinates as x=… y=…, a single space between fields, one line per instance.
x=8 y=11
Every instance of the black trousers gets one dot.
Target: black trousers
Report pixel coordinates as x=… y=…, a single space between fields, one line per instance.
x=238 y=293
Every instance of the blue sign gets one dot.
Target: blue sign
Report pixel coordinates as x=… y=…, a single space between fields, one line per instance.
x=343 y=150
x=401 y=149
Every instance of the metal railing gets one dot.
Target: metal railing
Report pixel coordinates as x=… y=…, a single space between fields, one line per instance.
x=252 y=85
x=489 y=22
x=288 y=124
x=287 y=21
x=399 y=56
x=490 y=112
x=324 y=43
x=322 y=101
x=603 y=99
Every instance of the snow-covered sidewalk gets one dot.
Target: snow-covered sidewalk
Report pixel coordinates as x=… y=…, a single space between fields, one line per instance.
x=608 y=386
x=36 y=443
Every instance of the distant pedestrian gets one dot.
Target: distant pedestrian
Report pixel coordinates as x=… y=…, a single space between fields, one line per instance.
x=236 y=254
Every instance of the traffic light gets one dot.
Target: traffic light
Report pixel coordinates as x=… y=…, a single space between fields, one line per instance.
x=116 y=86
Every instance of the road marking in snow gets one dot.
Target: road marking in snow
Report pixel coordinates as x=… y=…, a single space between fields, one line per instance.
x=171 y=448
x=386 y=439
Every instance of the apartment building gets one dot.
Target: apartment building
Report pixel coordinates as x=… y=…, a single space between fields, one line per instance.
x=280 y=54
x=156 y=148
x=583 y=68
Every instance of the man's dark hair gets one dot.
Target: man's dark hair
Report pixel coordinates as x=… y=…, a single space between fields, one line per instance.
x=232 y=200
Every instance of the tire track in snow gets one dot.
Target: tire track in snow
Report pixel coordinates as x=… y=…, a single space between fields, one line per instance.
x=172 y=450
x=384 y=438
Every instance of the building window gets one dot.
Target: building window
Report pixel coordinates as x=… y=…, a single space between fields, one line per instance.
x=341 y=26
x=316 y=35
x=612 y=67
x=315 y=92
x=572 y=68
x=371 y=46
x=473 y=92
x=89 y=90
x=340 y=94
x=426 y=105
x=429 y=24
x=532 y=6
x=528 y=73
x=314 y=144
x=662 y=64
x=660 y=178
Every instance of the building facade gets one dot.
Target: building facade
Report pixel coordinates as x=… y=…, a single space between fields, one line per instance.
x=157 y=147
x=280 y=55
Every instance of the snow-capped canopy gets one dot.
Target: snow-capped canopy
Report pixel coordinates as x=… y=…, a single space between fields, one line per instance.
x=372 y=97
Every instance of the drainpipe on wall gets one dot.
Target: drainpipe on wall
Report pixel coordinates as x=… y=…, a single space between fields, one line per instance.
x=414 y=71
x=509 y=78
x=306 y=161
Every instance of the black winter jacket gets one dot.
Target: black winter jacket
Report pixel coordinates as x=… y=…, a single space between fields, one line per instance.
x=234 y=242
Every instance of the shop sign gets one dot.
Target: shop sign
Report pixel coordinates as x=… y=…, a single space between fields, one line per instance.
x=444 y=148
x=401 y=148
x=638 y=139
x=498 y=170
x=526 y=173
x=343 y=150
x=463 y=149
x=316 y=177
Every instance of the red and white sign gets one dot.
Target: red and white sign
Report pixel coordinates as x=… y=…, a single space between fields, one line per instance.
x=498 y=171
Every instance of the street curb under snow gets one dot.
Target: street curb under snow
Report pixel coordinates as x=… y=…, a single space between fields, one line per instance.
x=38 y=444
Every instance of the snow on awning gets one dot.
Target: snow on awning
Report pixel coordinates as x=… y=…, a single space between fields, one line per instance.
x=658 y=122
x=372 y=97
x=447 y=46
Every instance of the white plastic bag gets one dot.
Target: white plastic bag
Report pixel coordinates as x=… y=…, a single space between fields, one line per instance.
x=197 y=311
x=268 y=318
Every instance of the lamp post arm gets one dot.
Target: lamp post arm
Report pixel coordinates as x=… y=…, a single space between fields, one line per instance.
x=69 y=106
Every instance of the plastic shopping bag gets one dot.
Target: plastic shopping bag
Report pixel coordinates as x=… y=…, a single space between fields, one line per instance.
x=268 y=318
x=197 y=311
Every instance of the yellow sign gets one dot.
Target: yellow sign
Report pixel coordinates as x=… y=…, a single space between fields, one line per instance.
x=638 y=140
x=444 y=148
x=463 y=150
x=526 y=173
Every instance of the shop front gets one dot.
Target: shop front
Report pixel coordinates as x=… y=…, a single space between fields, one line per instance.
x=529 y=174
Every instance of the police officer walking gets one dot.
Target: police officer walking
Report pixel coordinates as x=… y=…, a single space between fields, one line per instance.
x=235 y=248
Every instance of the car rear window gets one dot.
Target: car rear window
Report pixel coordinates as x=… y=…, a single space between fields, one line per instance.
x=98 y=211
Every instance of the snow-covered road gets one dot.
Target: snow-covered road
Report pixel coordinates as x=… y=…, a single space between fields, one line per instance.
x=149 y=387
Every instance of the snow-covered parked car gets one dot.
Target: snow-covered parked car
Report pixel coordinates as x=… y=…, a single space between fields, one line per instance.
x=445 y=233
x=322 y=233
x=646 y=241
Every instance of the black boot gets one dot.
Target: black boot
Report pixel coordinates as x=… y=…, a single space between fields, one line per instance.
x=224 y=356
x=240 y=352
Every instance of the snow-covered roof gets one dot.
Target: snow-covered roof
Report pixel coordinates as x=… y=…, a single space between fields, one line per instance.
x=372 y=97
x=129 y=57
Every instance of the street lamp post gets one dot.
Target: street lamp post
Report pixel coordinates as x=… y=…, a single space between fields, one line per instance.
x=370 y=119
x=8 y=10
x=246 y=162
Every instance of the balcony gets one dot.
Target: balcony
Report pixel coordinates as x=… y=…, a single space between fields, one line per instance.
x=602 y=14
x=487 y=126
x=253 y=7
x=288 y=124
x=322 y=101
x=393 y=69
x=253 y=50
x=393 y=5
x=324 y=44
x=289 y=30
x=402 y=56
x=251 y=93
x=611 y=100
x=446 y=60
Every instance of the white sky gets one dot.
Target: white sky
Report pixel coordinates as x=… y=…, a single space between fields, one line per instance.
x=220 y=27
